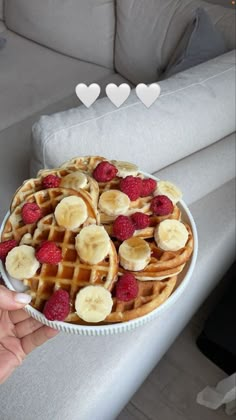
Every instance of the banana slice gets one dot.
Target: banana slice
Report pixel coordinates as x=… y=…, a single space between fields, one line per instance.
x=21 y=262
x=75 y=180
x=170 y=190
x=92 y=244
x=26 y=239
x=93 y=303
x=71 y=212
x=134 y=254
x=125 y=168
x=171 y=235
x=114 y=202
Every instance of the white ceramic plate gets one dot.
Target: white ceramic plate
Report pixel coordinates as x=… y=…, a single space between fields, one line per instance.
x=183 y=279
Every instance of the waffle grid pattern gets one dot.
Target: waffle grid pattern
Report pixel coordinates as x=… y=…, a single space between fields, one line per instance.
x=32 y=185
x=84 y=163
x=71 y=273
x=47 y=201
x=150 y=296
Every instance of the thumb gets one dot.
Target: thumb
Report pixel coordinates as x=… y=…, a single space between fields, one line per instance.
x=12 y=300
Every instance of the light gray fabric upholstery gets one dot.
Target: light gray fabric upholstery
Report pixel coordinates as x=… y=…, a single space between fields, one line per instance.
x=83 y=29
x=89 y=367
x=195 y=109
x=189 y=127
x=33 y=77
x=2 y=26
x=204 y=171
x=15 y=144
x=2 y=42
x=1 y=9
x=147 y=36
x=201 y=42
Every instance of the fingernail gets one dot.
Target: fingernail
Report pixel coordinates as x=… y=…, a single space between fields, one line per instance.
x=22 y=298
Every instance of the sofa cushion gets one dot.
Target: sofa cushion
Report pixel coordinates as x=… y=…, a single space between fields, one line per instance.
x=33 y=77
x=82 y=29
x=196 y=108
x=147 y=36
x=200 y=42
x=204 y=171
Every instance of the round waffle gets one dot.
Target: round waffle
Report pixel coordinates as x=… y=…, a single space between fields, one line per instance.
x=164 y=264
x=142 y=204
x=151 y=294
x=145 y=233
x=71 y=273
x=33 y=185
x=47 y=201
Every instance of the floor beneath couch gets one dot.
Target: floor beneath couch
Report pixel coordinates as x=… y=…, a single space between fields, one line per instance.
x=170 y=391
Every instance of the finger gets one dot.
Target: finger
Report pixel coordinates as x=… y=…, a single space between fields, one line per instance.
x=18 y=316
x=37 y=338
x=8 y=363
x=11 y=300
x=27 y=327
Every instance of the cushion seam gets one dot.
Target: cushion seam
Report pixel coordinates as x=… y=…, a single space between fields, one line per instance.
x=212 y=191
x=197 y=151
x=47 y=139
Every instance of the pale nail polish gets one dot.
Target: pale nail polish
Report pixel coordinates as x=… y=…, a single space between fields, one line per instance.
x=22 y=298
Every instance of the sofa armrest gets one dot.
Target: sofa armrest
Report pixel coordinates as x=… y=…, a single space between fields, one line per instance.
x=204 y=171
x=196 y=108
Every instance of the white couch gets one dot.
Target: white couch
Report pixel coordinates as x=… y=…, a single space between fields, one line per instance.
x=187 y=136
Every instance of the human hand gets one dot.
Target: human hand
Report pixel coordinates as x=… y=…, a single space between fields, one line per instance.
x=19 y=332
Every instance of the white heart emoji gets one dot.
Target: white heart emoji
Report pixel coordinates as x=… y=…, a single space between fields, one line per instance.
x=148 y=94
x=117 y=94
x=87 y=94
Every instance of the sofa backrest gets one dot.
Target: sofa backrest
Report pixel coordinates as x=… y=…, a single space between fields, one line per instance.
x=148 y=32
x=82 y=29
x=196 y=108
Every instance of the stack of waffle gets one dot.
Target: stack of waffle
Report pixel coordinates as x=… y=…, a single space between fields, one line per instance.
x=156 y=273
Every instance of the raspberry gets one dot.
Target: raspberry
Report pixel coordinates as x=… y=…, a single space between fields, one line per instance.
x=161 y=205
x=127 y=287
x=123 y=228
x=131 y=185
x=48 y=253
x=51 y=181
x=58 y=306
x=148 y=186
x=140 y=220
x=104 y=172
x=6 y=247
x=30 y=213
